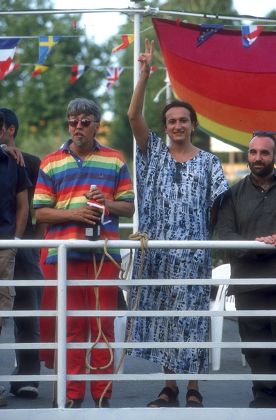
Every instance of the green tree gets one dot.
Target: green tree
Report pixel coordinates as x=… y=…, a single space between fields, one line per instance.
x=41 y=102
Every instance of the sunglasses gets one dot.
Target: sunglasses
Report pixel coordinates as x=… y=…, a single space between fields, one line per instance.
x=264 y=133
x=83 y=122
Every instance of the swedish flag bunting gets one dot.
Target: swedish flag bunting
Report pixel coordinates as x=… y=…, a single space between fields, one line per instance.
x=46 y=43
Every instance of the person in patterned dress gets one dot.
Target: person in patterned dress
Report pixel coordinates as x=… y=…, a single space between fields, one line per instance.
x=177 y=186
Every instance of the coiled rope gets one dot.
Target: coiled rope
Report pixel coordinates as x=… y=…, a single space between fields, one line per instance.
x=143 y=238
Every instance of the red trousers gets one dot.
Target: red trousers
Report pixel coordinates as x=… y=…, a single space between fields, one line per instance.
x=78 y=328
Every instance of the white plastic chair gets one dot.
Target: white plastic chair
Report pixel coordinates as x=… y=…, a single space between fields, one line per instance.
x=221 y=302
x=120 y=322
x=221 y=272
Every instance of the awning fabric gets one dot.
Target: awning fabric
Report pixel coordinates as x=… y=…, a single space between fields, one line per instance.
x=232 y=88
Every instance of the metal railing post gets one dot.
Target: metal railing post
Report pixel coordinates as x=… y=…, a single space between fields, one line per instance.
x=61 y=326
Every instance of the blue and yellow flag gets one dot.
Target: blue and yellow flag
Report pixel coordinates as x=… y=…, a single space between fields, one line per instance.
x=46 y=43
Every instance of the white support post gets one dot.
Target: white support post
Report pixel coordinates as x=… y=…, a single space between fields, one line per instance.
x=168 y=98
x=136 y=52
x=61 y=326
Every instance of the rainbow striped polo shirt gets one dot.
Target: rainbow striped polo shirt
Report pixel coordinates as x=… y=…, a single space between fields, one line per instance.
x=62 y=181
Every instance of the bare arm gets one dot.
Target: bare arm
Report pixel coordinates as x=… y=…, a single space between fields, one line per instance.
x=269 y=240
x=84 y=214
x=40 y=230
x=22 y=209
x=16 y=154
x=135 y=112
x=119 y=208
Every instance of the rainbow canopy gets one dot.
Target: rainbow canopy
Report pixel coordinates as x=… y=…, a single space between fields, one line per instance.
x=232 y=88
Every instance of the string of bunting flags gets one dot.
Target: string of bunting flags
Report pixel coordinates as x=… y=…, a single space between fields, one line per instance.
x=249 y=35
x=46 y=43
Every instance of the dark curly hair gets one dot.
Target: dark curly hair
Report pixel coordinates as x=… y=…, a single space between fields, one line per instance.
x=180 y=104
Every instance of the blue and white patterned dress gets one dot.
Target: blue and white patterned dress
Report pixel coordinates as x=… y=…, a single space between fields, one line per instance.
x=174 y=202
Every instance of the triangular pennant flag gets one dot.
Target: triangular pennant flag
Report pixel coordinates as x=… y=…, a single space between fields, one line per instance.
x=250 y=33
x=127 y=40
x=7 y=51
x=77 y=71
x=206 y=31
x=153 y=69
x=113 y=75
x=13 y=67
x=46 y=43
x=39 y=69
x=4 y=71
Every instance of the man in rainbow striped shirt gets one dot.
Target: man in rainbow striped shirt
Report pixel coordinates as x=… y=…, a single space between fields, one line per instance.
x=82 y=172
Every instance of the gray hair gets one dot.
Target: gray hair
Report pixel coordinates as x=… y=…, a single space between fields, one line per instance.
x=83 y=106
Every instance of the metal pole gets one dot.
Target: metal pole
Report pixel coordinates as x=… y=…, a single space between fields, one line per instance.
x=136 y=52
x=168 y=88
x=168 y=99
x=61 y=326
x=149 y=10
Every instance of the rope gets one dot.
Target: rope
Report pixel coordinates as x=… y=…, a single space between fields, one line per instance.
x=143 y=238
x=97 y=307
x=98 y=319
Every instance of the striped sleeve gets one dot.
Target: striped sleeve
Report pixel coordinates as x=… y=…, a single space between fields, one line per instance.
x=44 y=195
x=124 y=188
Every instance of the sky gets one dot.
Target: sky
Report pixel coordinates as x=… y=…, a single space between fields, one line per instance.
x=104 y=25
x=101 y=25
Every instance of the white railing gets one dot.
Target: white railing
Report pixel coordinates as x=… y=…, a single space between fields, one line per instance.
x=61 y=344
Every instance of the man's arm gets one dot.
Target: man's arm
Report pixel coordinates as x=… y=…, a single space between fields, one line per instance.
x=226 y=225
x=135 y=112
x=227 y=229
x=40 y=230
x=22 y=209
x=120 y=208
x=83 y=214
x=269 y=240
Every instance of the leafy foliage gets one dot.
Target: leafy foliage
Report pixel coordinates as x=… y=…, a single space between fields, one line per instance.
x=41 y=102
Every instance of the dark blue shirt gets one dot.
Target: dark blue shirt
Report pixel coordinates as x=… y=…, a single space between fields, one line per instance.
x=13 y=180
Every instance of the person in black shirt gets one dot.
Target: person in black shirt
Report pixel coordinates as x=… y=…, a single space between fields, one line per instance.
x=13 y=217
x=27 y=267
x=248 y=212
